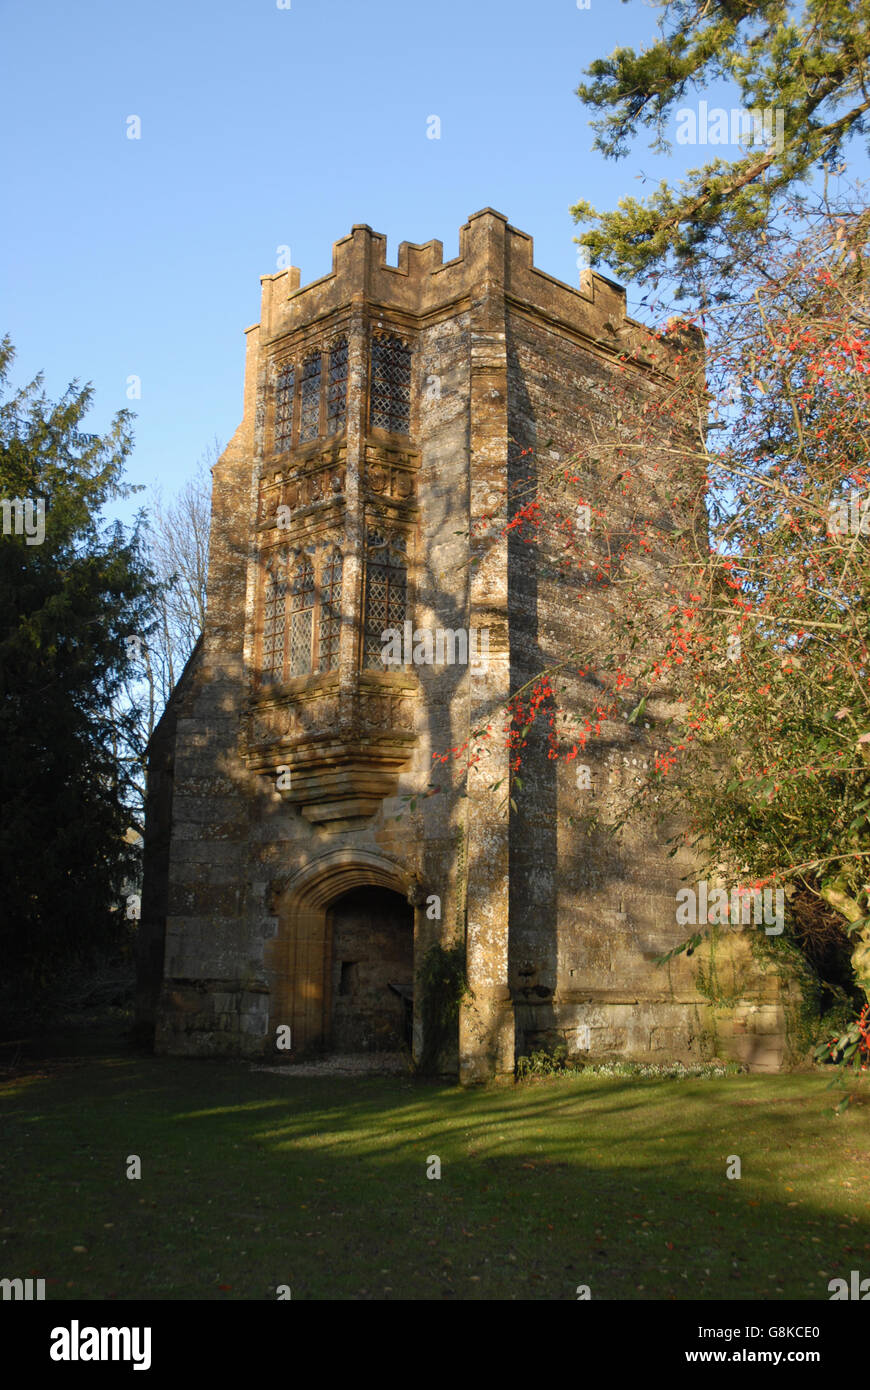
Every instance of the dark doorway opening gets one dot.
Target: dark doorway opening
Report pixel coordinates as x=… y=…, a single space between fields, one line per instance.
x=372 y=936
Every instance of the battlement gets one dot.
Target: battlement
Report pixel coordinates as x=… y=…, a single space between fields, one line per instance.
x=492 y=253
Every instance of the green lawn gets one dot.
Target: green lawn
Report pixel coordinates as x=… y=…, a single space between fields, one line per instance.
x=251 y=1180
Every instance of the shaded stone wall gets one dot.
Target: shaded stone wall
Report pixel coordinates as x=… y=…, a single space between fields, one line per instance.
x=589 y=914
x=213 y=998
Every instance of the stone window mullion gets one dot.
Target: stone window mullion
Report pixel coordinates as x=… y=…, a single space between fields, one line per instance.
x=356 y=415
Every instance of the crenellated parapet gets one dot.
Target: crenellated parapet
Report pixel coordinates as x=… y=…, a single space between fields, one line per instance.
x=422 y=283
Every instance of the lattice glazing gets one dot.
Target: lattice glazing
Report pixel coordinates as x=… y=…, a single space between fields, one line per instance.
x=330 y=612
x=274 y=618
x=386 y=594
x=301 y=618
x=309 y=419
x=336 y=396
x=390 y=398
x=284 y=391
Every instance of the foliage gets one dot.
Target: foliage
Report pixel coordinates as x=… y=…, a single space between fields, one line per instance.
x=69 y=605
x=850 y=1050
x=778 y=732
x=545 y=1062
x=555 y=1063
x=810 y=62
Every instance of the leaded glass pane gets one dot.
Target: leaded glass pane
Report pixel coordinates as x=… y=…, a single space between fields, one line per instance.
x=301 y=618
x=274 y=618
x=336 y=396
x=390 y=398
x=385 y=594
x=300 y=643
x=330 y=612
x=284 y=408
x=309 y=420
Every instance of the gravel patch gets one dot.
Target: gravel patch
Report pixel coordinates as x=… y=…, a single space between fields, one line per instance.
x=348 y=1064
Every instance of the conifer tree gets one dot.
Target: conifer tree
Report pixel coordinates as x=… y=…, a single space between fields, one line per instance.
x=810 y=63
x=74 y=591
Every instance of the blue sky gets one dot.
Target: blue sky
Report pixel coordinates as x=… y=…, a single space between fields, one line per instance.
x=263 y=127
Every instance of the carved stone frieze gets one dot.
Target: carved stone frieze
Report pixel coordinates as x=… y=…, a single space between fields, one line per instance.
x=392 y=472
x=318 y=479
x=386 y=710
x=289 y=719
x=321 y=485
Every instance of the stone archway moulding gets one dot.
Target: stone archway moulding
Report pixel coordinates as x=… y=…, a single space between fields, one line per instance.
x=297 y=958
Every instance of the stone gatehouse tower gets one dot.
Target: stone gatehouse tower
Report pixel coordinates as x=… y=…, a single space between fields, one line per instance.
x=292 y=877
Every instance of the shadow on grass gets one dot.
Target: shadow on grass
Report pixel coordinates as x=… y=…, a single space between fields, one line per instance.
x=254 y=1180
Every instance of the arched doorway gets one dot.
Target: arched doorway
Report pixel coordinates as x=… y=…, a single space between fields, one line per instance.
x=371 y=933
x=304 y=959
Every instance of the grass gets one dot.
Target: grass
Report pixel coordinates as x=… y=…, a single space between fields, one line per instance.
x=253 y=1180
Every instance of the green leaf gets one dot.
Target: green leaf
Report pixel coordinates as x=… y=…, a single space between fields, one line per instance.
x=857 y=926
x=637 y=711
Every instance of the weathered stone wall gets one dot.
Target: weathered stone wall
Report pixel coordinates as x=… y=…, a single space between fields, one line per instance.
x=214 y=995
x=590 y=914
